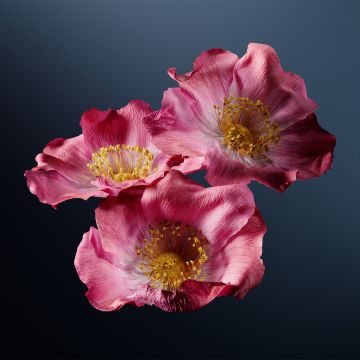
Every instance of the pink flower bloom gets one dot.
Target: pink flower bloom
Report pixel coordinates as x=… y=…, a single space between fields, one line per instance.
x=113 y=153
x=249 y=118
x=176 y=246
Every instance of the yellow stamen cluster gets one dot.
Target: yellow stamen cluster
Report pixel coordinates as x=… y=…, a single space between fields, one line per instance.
x=246 y=126
x=121 y=162
x=172 y=253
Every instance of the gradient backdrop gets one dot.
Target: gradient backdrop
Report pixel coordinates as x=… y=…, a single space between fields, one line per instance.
x=59 y=58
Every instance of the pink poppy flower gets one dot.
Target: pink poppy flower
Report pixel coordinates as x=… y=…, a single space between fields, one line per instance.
x=249 y=118
x=113 y=153
x=176 y=246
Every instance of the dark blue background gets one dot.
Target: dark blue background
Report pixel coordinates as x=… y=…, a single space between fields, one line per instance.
x=59 y=58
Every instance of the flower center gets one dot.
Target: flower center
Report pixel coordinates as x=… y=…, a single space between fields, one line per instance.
x=246 y=126
x=121 y=162
x=172 y=253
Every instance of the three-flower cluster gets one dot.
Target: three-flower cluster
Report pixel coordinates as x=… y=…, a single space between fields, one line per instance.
x=162 y=239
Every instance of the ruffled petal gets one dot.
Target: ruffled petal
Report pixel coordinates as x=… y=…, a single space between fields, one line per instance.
x=108 y=284
x=222 y=170
x=258 y=75
x=238 y=263
x=134 y=112
x=219 y=212
x=111 y=127
x=176 y=128
x=161 y=165
x=62 y=172
x=306 y=148
x=192 y=296
x=52 y=188
x=210 y=79
x=122 y=223
x=69 y=157
x=190 y=164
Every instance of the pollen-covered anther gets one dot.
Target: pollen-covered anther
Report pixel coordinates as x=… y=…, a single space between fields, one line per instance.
x=174 y=252
x=122 y=162
x=246 y=126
